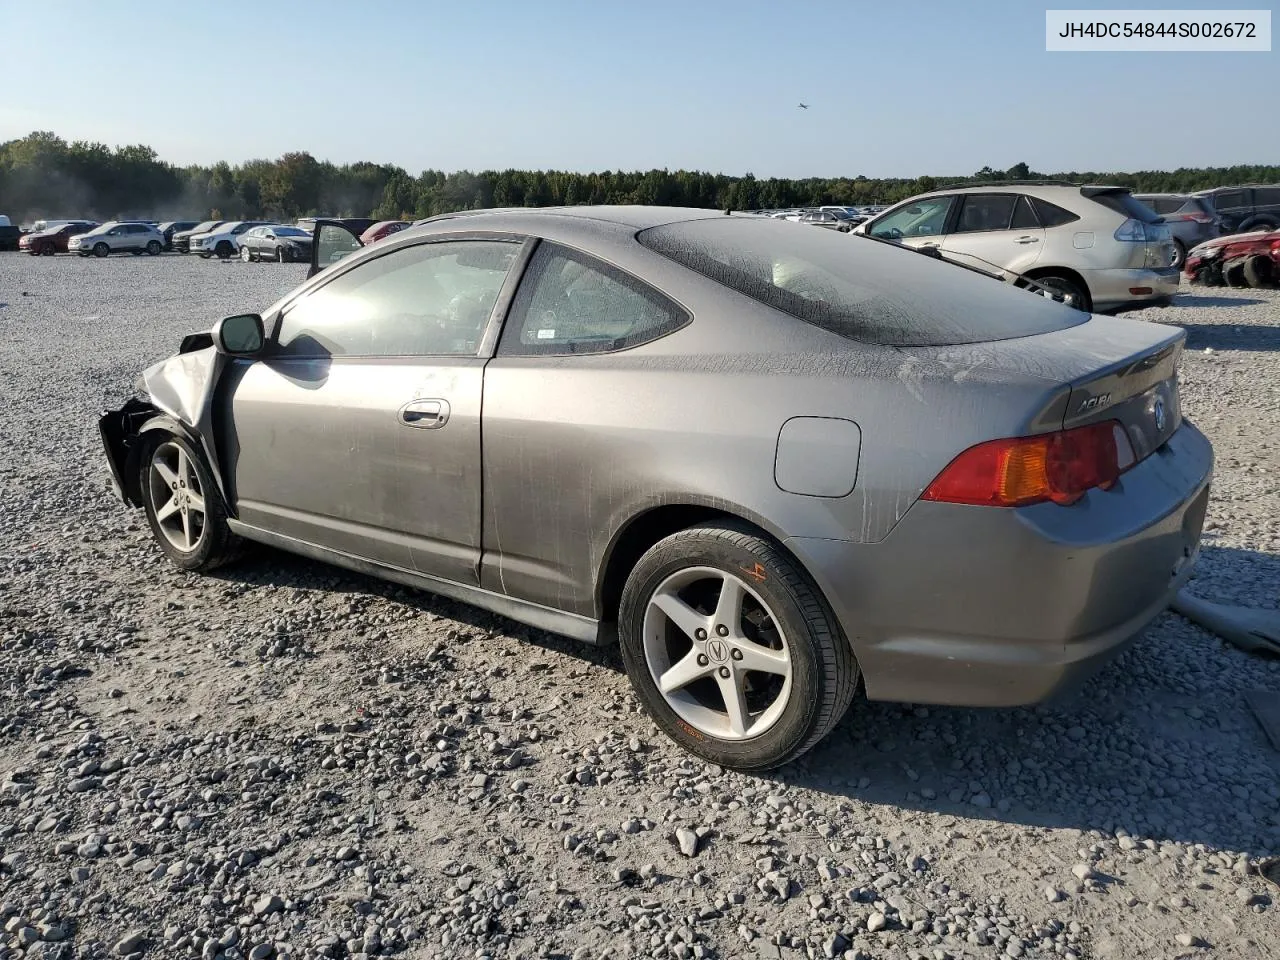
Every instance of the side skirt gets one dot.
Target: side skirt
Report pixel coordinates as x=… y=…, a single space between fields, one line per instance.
x=544 y=618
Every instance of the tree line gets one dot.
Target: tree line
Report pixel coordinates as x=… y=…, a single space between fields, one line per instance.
x=42 y=175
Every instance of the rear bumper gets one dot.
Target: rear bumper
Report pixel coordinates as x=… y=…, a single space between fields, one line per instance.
x=1111 y=289
x=978 y=606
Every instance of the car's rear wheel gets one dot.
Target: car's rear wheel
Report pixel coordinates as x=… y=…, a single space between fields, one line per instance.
x=1259 y=272
x=246 y=254
x=101 y=250
x=184 y=507
x=732 y=649
x=154 y=247
x=1179 y=253
x=1073 y=292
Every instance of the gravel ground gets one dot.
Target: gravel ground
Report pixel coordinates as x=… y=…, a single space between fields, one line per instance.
x=286 y=759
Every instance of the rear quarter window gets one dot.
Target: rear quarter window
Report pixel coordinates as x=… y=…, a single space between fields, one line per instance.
x=856 y=287
x=1050 y=214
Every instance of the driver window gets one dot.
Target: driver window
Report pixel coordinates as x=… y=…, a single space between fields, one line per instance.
x=433 y=299
x=569 y=303
x=920 y=218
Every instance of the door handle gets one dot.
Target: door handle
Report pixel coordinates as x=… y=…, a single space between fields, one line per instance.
x=1027 y=240
x=427 y=414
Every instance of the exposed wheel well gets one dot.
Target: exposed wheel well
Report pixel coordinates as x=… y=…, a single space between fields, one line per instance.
x=647 y=529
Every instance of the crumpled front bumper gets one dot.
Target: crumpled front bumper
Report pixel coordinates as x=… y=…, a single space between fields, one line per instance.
x=119 y=432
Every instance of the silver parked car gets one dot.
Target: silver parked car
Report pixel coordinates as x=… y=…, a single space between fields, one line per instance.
x=769 y=462
x=1098 y=245
x=1191 y=220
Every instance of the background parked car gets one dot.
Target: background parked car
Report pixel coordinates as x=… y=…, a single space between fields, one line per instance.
x=832 y=219
x=276 y=242
x=55 y=239
x=1238 y=260
x=223 y=241
x=169 y=227
x=1192 y=220
x=1096 y=244
x=116 y=236
x=181 y=239
x=1242 y=209
x=383 y=229
x=10 y=236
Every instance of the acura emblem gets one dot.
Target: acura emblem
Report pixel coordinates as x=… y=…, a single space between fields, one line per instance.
x=1157 y=411
x=718 y=650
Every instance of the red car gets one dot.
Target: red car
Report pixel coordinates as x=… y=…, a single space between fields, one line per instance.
x=382 y=229
x=1237 y=260
x=54 y=240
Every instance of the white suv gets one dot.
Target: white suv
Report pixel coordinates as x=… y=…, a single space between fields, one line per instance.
x=116 y=236
x=1101 y=248
x=223 y=241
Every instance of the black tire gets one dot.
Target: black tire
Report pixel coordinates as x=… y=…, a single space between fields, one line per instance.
x=223 y=249
x=205 y=254
x=101 y=250
x=216 y=543
x=1233 y=272
x=1075 y=294
x=137 y=253
x=824 y=672
x=154 y=248
x=1179 y=253
x=1259 y=272
x=48 y=250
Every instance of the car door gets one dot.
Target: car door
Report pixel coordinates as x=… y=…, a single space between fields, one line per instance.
x=995 y=229
x=330 y=242
x=256 y=239
x=917 y=223
x=359 y=430
x=265 y=244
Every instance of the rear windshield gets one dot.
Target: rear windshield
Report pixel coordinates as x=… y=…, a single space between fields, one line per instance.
x=856 y=287
x=1127 y=205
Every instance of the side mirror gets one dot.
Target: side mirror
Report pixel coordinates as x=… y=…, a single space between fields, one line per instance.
x=239 y=336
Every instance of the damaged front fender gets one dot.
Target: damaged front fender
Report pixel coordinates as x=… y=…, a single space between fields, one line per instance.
x=179 y=399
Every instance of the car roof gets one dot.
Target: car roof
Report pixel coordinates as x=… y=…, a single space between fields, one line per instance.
x=639 y=216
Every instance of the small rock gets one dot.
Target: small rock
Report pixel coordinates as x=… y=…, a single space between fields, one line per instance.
x=688 y=841
x=130 y=943
x=877 y=921
x=1188 y=940
x=1082 y=872
x=267 y=905
x=1053 y=894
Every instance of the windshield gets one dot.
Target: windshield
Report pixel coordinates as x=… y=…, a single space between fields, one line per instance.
x=204 y=226
x=873 y=292
x=289 y=232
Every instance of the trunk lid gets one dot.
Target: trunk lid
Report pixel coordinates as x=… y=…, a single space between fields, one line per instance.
x=1110 y=368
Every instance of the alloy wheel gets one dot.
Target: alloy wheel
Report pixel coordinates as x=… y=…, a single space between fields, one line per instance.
x=717 y=653
x=176 y=497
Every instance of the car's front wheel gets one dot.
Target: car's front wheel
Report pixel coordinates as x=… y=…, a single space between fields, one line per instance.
x=184 y=507
x=101 y=250
x=282 y=255
x=732 y=649
x=223 y=250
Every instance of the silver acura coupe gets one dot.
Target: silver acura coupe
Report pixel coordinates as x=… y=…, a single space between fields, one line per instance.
x=768 y=461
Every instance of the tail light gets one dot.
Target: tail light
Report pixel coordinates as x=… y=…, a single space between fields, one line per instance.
x=1017 y=472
